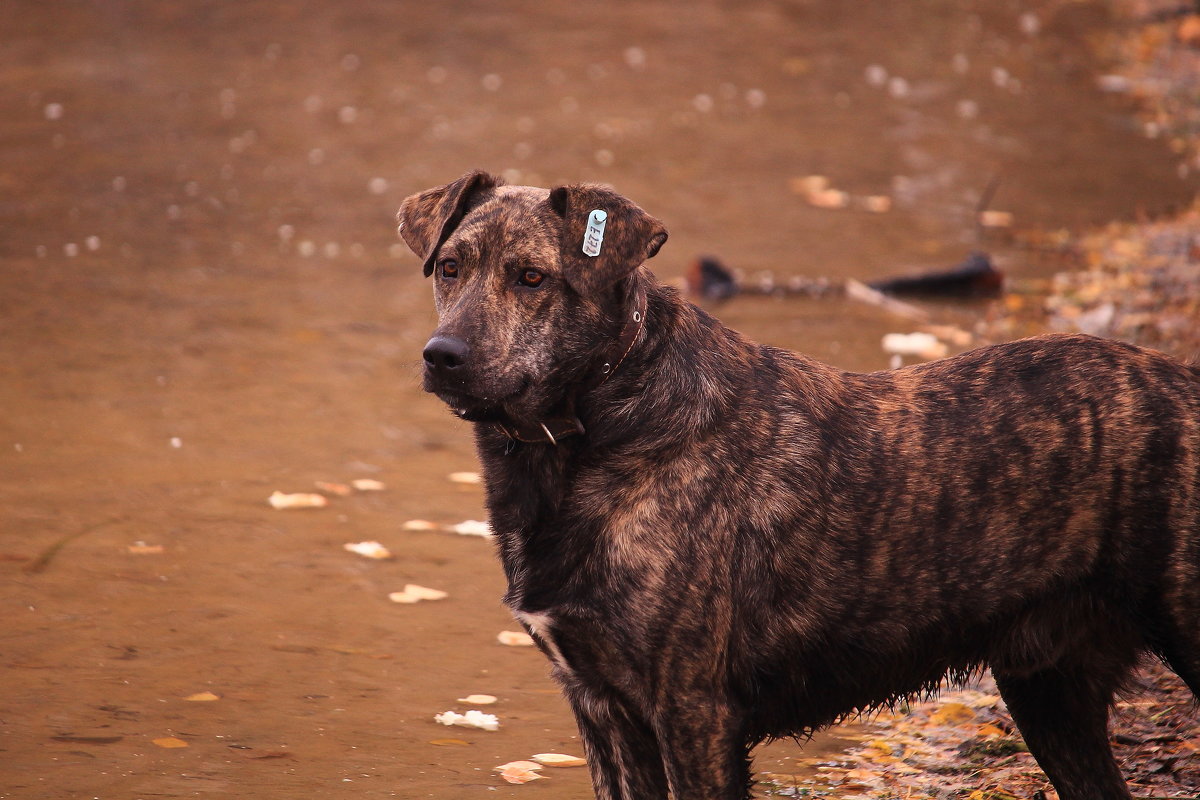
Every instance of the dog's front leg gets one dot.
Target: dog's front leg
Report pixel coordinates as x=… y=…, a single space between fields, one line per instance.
x=621 y=748
x=704 y=747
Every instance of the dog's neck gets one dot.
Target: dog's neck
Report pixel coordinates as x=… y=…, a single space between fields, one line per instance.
x=550 y=430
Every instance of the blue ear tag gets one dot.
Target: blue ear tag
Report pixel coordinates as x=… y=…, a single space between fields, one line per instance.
x=593 y=237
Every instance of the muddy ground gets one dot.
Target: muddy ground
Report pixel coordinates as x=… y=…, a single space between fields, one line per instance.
x=202 y=301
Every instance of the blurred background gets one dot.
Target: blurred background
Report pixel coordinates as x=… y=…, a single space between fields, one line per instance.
x=203 y=300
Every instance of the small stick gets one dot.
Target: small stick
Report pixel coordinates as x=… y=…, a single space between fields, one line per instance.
x=43 y=560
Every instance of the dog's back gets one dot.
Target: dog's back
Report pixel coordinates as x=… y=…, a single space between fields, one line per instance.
x=994 y=508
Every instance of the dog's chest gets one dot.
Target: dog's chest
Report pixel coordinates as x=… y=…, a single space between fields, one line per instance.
x=541 y=627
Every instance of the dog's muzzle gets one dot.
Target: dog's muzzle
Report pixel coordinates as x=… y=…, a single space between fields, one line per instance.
x=446 y=356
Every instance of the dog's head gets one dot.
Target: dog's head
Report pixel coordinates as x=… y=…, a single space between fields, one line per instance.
x=529 y=286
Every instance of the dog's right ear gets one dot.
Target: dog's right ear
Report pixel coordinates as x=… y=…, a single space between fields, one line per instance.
x=426 y=220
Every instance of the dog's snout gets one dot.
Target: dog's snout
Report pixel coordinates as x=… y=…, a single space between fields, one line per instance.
x=445 y=354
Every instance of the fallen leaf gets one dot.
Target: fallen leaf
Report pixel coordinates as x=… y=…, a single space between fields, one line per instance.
x=472 y=527
x=170 y=742
x=471 y=719
x=515 y=639
x=141 y=548
x=920 y=344
x=419 y=525
x=465 y=477
x=280 y=500
x=996 y=219
x=559 y=760
x=951 y=714
x=861 y=775
x=478 y=699
x=876 y=203
x=450 y=742
x=1189 y=30
x=340 y=489
x=809 y=184
x=202 y=697
x=519 y=771
x=829 y=198
x=368 y=485
x=413 y=593
x=981 y=700
x=368 y=549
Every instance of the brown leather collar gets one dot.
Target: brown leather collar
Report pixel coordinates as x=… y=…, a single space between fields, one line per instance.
x=551 y=430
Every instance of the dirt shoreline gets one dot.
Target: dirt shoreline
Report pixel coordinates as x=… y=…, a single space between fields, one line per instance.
x=1133 y=280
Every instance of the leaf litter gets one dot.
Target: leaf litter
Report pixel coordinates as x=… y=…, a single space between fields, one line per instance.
x=964 y=746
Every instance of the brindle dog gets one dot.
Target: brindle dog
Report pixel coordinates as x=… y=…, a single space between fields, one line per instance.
x=717 y=542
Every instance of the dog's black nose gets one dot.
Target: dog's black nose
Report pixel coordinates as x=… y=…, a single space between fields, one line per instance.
x=445 y=354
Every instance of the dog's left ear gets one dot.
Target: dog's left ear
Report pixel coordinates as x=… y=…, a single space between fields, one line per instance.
x=594 y=256
x=426 y=220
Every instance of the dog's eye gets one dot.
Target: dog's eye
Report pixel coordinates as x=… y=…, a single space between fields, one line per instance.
x=531 y=278
x=449 y=268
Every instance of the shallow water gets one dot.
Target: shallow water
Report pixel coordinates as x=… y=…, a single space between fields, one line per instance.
x=202 y=301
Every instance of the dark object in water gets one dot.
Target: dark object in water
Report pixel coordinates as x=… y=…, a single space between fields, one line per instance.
x=709 y=279
x=975 y=277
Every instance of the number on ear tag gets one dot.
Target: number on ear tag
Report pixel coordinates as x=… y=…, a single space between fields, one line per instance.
x=593 y=237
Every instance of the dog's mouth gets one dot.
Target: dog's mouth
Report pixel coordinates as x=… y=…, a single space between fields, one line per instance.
x=478 y=407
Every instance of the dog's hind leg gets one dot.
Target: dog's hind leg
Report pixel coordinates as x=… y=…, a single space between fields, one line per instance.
x=1180 y=642
x=1182 y=653
x=1062 y=712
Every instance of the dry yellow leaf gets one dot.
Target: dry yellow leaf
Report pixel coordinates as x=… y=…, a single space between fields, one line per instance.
x=281 y=500
x=515 y=639
x=860 y=775
x=996 y=219
x=559 y=760
x=829 y=198
x=1189 y=30
x=370 y=549
x=990 y=731
x=519 y=771
x=809 y=184
x=478 y=699
x=170 y=742
x=202 y=697
x=414 y=594
x=877 y=203
x=951 y=714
